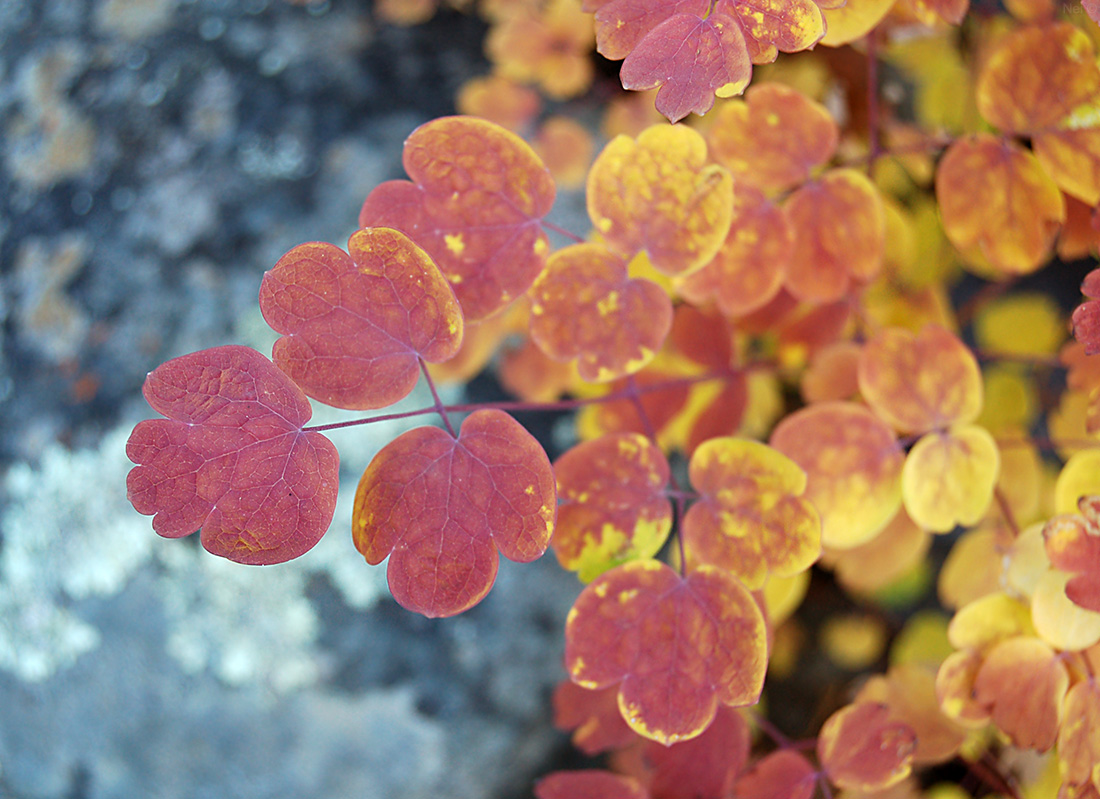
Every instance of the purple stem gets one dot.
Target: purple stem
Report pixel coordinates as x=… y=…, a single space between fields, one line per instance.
x=442 y=410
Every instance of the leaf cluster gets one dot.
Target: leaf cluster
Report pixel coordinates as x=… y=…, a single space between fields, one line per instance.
x=773 y=376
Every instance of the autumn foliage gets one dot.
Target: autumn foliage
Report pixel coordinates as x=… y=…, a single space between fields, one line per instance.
x=804 y=361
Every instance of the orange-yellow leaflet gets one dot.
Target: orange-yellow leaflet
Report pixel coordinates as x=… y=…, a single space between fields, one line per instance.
x=863 y=747
x=920 y=382
x=657 y=194
x=675 y=646
x=996 y=198
x=613 y=508
x=751 y=517
x=772 y=139
x=585 y=306
x=853 y=463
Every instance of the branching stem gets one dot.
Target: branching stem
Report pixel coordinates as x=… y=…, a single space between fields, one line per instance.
x=439 y=406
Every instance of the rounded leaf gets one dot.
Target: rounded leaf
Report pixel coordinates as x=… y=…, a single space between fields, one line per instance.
x=657 y=194
x=613 y=506
x=853 y=464
x=440 y=508
x=949 y=477
x=751 y=517
x=355 y=326
x=1023 y=682
x=475 y=204
x=995 y=198
x=863 y=748
x=585 y=306
x=675 y=646
x=232 y=458
x=839 y=226
x=920 y=382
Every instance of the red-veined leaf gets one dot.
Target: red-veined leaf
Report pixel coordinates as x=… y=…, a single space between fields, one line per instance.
x=475 y=204
x=751 y=517
x=613 y=507
x=440 y=508
x=354 y=326
x=584 y=306
x=232 y=458
x=675 y=646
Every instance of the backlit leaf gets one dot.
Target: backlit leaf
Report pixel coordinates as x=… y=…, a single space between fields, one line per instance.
x=1023 y=682
x=949 y=477
x=839 y=229
x=988 y=620
x=782 y=774
x=548 y=44
x=675 y=646
x=1036 y=76
x=1072 y=158
x=1058 y=621
x=863 y=748
x=853 y=464
x=585 y=306
x=1086 y=316
x=1079 y=734
x=690 y=59
x=773 y=138
x=751 y=516
x=853 y=20
x=475 y=204
x=232 y=458
x=1080 y=477
x=887 y=557
x=588 y=784
x=613 y=507
x=355 y=326
x=592 y=716
x=622 y=24
x=995 y=197
x=658 y=195
x=972 y=568
x=920 y=382
x=440 y=508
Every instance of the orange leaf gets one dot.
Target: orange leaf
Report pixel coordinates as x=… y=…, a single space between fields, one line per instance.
x=749 y=269
x=658 y=195
x=773 y=138
x=863 y=748
x=585 y=306
x=1024 y=682
x=995 y=197
x=592 y=716
x=839 y=226
x=675 y=646
x=1037 y=76
x=440 y=508
x=853 y=463
x=588 y=784
x=920 y=382
x=783 y=774
x=751 y=517
x=1079 y=734
x=773 y=25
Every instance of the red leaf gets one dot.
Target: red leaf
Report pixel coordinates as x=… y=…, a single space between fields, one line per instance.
x=593 y=717
x=476 y=202
x=441 y=507
x=1086 y=317
x=588 y=784
x=784 y=774
x=691 y=59
x=862 y=748
x=704 y=766
x=232 y=458
x=354 y=326
x=675 y=646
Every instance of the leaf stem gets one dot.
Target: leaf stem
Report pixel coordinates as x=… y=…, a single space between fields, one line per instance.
x=435 y=396
x=546 y=223
x=519 y=406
